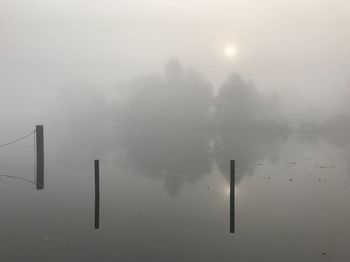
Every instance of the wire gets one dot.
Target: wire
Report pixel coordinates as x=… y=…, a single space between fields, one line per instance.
x=12 y=142
x=19 y=178
x=19 y=139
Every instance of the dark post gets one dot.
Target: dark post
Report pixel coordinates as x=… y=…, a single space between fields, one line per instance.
x=232 y=196
x=39 y=157
x=97 y=194
x=97 y=211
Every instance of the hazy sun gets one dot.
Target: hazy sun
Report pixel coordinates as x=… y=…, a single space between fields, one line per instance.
x=230 y=51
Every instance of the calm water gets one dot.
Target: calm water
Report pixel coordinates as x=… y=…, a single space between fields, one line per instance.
x=291 y=202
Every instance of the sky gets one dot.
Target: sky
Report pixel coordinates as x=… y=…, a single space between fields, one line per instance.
x=297 y=49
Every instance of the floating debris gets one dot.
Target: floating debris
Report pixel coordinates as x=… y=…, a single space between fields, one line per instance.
x=265 y=177
x=47 y=238
x=291 y=179
x=141 y=213
x=322 y=166
x=293 y=162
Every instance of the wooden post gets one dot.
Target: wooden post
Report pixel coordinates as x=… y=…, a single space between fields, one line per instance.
x=232 y=196
x=39 y=157
x=97 y=194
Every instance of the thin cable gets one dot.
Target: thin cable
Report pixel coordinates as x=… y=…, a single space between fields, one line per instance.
x=19 y=139
x=19 y=178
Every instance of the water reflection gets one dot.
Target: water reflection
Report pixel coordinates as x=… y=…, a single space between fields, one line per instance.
x=247 y=149
x=337 y=130
x=169 y=131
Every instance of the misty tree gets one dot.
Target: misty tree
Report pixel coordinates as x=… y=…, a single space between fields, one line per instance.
x=166 y=126
x=240 y=106
x=237 y=101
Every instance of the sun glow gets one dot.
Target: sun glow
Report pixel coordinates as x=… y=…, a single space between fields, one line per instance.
x=230 y=51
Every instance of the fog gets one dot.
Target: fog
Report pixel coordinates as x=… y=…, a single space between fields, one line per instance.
x=57 y=51
x=296 y=49
x=165 y=94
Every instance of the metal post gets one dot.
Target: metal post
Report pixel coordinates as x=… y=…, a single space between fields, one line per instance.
x=39 y=157
x=97 y=194
x=232 y=196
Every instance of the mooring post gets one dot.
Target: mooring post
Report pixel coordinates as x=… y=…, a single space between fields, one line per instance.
x=232 y=196
x=39 y=157
x=97 y=194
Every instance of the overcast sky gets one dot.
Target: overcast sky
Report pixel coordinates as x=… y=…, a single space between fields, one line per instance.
x=300 y=49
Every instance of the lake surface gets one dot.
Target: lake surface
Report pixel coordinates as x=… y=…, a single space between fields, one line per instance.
x=292 y=202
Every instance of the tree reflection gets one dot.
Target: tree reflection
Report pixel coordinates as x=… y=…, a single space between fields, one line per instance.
x=248 y=149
